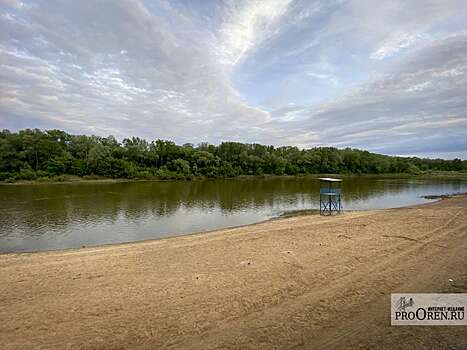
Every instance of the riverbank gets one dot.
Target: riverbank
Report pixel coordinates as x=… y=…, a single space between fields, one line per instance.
x=300 y=282
x=64 y=179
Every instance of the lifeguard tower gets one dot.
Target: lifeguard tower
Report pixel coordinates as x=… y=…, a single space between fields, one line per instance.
x=329 y=196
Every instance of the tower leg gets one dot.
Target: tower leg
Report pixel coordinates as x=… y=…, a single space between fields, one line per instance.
x=320 y=205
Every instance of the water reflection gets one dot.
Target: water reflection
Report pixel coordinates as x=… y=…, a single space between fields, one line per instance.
x=71 y=215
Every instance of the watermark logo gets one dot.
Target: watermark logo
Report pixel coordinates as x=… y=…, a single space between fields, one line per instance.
x=403 y=303
x=425 y=309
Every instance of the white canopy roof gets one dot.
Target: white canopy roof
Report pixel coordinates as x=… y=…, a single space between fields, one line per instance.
x=330 y=179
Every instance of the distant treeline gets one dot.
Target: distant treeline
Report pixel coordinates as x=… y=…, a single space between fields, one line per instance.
x=35 y=154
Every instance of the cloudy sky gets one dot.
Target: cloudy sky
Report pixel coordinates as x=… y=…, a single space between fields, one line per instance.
x=387 y=76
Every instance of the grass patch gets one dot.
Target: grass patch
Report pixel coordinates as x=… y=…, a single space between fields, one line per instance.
x=445 y=196
x=300 y=212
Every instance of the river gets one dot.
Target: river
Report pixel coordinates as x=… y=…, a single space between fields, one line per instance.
x=70 y=215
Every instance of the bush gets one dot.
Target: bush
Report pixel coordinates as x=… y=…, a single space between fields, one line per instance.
x=43 y=179
x=60 y=164
x=5 y=175
x=41 y=173
x=180 y=166
x=60 y=178
x=26 y=174
x=124 y=168
x=145 y=174
x=413 y=169
x=92 y=177
x=164 y=174
x=78 y=167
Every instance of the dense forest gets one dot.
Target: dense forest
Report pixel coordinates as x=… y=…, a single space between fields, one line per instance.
x=35 y=154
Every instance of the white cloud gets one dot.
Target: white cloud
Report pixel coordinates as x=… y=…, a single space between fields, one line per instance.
x=394 y=44
x=246 y=25
x=278 y=71
x=418 y=105
x=115 y=71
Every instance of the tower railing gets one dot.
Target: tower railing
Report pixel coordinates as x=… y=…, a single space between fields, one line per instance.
x=331 y=191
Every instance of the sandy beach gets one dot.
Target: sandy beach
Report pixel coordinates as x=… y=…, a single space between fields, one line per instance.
x=305 y=282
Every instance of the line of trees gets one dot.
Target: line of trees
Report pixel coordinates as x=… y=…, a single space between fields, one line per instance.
x=34 y=154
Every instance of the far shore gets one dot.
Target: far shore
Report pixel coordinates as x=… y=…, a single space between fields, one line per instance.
x=67 y=179
x=296 y=282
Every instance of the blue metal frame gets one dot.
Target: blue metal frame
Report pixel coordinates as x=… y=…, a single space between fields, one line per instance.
x=329 y=199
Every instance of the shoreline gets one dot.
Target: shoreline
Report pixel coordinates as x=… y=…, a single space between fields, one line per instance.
x=454 y=175
x=301 y=282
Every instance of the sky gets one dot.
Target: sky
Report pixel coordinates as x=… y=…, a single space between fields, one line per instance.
x=385 y=76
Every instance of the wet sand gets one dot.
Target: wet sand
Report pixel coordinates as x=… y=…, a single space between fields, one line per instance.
x=306 y=282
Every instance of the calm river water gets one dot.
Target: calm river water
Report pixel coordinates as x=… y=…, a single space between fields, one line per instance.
x=55 y=216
